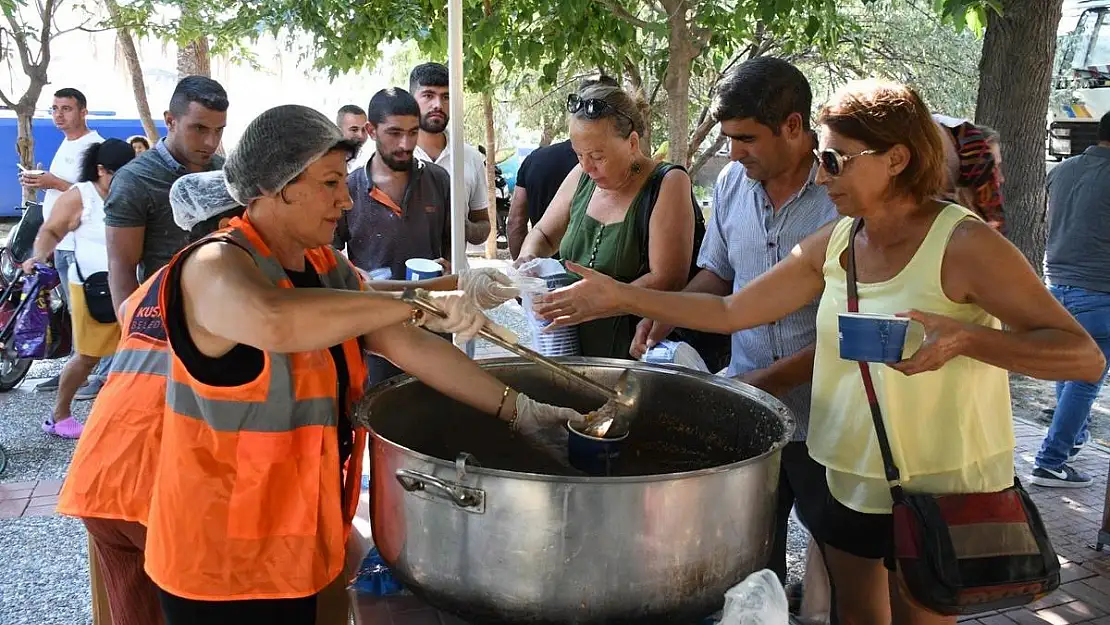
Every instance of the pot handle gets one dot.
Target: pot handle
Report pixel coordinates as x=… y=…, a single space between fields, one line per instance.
x=470 y=499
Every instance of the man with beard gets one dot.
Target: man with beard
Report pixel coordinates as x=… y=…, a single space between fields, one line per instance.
x=401 y=204
x=429 y=85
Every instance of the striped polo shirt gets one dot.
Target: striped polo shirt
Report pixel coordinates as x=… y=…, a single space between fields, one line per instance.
x=744 y=238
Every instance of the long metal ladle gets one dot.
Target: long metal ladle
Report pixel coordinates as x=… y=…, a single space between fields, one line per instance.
x=625 y=394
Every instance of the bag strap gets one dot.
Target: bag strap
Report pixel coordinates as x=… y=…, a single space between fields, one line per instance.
x=648 y=198
x=892 y=475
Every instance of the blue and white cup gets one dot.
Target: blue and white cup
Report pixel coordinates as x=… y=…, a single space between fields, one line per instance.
x=871 y=337
x=422 y=269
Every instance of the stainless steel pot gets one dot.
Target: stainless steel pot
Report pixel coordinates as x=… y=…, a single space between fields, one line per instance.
x=485 y=527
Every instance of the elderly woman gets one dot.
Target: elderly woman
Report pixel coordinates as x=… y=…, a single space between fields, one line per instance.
x=983 y=309
x=593 y=218
x=260 y=463
x=80 y=210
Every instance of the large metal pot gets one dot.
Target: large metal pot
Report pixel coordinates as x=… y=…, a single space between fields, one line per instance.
x=485 y=527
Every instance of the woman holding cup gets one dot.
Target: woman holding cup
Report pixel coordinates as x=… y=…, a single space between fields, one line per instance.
x=947 y=406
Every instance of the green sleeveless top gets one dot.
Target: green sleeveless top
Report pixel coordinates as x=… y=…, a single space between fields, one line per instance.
x=612 y=249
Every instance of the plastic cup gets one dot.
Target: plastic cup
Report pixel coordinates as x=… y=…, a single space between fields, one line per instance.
x=422 y=269
x=869 y=337
x=593 y=455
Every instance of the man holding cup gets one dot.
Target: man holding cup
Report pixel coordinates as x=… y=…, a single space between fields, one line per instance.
x=399 y=227
x=69 y=112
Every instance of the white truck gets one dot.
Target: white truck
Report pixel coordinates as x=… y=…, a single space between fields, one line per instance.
x=1081 y=78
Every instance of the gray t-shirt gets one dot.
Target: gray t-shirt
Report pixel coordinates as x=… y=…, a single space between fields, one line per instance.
x=140 y=198
x=1078 y=251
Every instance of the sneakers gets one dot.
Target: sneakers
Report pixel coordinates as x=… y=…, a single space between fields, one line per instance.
x=1064 y=477
x=1075 y=451
x=48 y=386
x=89 y=390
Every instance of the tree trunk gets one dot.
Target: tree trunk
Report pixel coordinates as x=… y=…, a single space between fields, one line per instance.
x=491 y=174
x=682 y=52
x=1015 y=103
x=134 y=70
x=25 y=143
x=193 y=60
x=547 y=134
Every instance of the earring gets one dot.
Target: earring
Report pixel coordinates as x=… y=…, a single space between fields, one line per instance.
x=636 y=168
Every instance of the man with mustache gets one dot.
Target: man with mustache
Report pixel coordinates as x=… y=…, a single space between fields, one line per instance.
x=429 y=85
x=401 y=204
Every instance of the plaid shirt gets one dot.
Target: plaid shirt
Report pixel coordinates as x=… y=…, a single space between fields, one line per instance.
x=744 y=238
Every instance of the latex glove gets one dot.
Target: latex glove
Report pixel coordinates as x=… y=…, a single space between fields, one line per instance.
x=463 y=317
x=532 y=417
x=487 y=287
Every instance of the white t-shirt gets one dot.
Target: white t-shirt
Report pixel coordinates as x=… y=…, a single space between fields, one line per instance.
x=91 y=245
x=474 y=168
x=67 y=166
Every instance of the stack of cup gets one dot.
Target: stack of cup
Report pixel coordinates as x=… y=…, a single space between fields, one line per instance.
x=561 y=342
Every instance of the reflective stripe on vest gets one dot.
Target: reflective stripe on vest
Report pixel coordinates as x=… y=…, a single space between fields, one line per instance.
x=247 y=504
x=112 y=472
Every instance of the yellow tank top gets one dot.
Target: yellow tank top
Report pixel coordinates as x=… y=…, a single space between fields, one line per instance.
x=951 y=430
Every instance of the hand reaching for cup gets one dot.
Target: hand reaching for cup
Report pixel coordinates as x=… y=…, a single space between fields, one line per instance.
x=487 y=287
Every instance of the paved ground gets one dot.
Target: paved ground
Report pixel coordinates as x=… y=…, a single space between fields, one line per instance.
x=44 y=580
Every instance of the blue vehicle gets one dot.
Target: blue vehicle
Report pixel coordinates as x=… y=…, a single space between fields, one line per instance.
x=47 y=139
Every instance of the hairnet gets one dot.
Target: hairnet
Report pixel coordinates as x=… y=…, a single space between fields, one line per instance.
x=275 y=148
x=198 y=197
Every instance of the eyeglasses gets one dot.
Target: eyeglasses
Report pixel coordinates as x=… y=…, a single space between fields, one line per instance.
x=594 y=108
x=834 y=162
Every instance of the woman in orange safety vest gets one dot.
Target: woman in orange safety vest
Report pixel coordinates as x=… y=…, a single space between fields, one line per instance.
x=266 y=323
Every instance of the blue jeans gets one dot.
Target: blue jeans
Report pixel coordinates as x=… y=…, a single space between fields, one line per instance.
x=1074 y=399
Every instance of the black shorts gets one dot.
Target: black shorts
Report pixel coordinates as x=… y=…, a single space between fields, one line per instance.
x=863 y=535
x=802 y=487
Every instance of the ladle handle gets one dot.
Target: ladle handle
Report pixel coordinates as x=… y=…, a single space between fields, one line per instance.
x=493 y=336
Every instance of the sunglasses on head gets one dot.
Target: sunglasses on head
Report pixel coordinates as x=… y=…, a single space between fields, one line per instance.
x=834 y=162
x=593 y=108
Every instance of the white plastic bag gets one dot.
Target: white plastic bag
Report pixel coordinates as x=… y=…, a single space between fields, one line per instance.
x=677 y=353
x=758 y=600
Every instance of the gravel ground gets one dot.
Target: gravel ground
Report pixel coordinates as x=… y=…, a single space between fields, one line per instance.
x=45 y=581
x=45 y=578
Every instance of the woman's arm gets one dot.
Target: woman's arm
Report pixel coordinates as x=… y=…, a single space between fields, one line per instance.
x=442 y=366
x=794 y=282
x=64 y=218
x=228 y=301
x=670 y=235
x=544 y=238
x=1041 y=338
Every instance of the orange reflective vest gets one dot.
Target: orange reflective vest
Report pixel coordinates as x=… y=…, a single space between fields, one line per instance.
x=113 y=467
x=249 y=500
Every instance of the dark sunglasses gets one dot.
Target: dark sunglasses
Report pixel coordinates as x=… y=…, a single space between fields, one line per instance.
x=834 y=162
x=593 y=107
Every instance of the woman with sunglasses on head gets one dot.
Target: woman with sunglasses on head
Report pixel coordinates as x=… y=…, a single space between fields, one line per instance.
x=593 y=218
x=946 y=408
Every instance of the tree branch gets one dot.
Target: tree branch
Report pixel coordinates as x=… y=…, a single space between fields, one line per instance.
x=658 y=84
x=618 y=10
x=6 y=100
x=45 y=36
